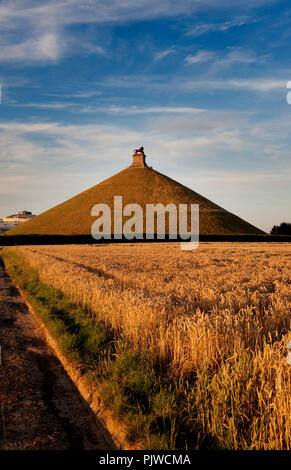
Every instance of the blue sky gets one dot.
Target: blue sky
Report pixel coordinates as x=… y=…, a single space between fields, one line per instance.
x=201 y=84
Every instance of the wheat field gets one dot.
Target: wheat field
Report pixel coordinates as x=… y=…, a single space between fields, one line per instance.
x=217 y=318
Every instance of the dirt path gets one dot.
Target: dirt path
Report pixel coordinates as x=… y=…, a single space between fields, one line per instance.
x=40 y=407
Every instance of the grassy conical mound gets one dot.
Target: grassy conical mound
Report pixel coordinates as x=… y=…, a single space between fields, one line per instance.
x=136 y=185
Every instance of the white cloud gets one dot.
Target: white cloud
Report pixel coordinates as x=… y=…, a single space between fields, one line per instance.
x=90 y=48
x=114 y=110
x=233 y=57
x=201 y=56
x=204 y=145
x=162 y=54
x=45 y=47
x=258 y=84
x=250 y=84
x=237 y=55
x=205 y=28
x=41 y=26
x=149 y=110
x=222 y=132
x=48 y=46
x=59 y=105
x=20 y=127
x=98 y=11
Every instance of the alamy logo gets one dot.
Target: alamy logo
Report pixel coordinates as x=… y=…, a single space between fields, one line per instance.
x=146 y=226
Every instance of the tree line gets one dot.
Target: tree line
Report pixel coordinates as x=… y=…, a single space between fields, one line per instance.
x=283 y=229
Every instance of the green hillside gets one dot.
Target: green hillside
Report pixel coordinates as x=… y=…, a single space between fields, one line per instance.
x=136 y=185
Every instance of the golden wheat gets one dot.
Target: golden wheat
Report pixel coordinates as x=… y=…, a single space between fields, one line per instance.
x=223 y=308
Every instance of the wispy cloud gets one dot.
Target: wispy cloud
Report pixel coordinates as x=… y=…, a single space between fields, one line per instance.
x=59 y=105
x=222 y=59
x=206 y=28
x=98 y=11
x=201 y=56
x=257 y=84
x=42 y=27
x=249 y=84
x=46 y=47
x=239 y=55
x=160 y=84
x=90 y=48
x=149 y=110
x=162 y=54
x=112 y=109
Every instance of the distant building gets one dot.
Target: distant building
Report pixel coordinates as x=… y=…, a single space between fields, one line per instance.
x=22 y=216
x=6 y=223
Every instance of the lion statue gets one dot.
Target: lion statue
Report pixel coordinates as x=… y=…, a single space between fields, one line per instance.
x=140 y=150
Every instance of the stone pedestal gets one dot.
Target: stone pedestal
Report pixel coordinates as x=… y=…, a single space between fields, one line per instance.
x=138 y=161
